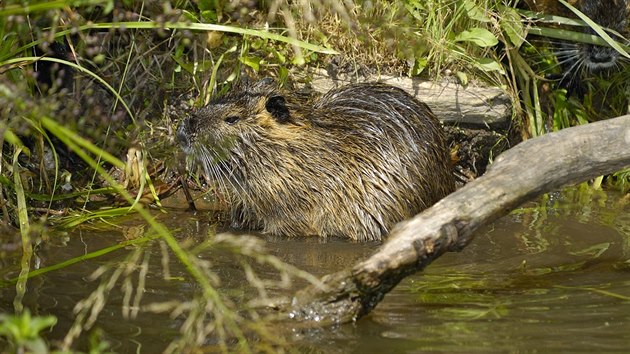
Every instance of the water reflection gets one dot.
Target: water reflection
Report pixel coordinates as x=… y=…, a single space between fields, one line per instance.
x=552 y=276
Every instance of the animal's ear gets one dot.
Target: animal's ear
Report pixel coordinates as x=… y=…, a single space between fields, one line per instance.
x=277 y=106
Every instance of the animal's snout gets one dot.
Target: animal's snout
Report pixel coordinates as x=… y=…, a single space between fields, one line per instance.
x=600 y=58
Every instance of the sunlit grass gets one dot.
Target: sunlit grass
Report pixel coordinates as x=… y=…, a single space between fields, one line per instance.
x=466 y=39
x=16 y=60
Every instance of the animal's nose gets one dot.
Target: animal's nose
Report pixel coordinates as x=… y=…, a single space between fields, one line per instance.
x=602 y=56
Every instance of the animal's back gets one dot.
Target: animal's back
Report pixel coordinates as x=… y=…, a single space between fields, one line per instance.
x=385 y=157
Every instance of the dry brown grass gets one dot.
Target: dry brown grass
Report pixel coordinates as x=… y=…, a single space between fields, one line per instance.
x=369 y=35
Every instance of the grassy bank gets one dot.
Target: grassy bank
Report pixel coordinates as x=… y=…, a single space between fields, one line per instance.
x=91 y=92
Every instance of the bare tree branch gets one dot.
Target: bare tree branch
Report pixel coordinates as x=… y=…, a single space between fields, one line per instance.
x=533 y=167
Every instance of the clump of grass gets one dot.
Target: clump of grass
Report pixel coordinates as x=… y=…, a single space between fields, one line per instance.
x=84 y=84
x=428 y=38
x=23 y=331
x=84 y=69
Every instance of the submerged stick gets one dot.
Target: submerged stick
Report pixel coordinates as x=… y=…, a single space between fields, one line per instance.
x=531 y=168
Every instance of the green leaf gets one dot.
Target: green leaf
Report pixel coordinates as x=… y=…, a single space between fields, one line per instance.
x=462 y=77
x=298 y=60
x=283 y=74
x=24 y=328
x=10 y=137
x=251 y=61
x=474 y=12
x=487 y=64
x=479 y=36
x=39 y=323
x=282 y=59
x=416 y=9
x=109 y=6
x=206 y=5
x=192 y=17
x=209 y=15
x=418 y=66
x=512 y=26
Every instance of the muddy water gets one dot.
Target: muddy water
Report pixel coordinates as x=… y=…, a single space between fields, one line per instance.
x=552 y=276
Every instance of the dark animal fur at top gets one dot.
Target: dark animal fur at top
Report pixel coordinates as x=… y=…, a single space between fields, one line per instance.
x=352 y=163
x=580 y=60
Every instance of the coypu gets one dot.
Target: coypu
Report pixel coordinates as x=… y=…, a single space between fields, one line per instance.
x=580 y=60
x=351 y=164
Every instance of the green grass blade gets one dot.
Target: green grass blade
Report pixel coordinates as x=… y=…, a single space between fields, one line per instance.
x=551 y=19
x=85 y=257
x=21 y=202
x=91 y=215
x=27 y=248
x=79 y=142
x=211 y=27
x=178 y=25
x=11 y=138
x=573 y=36
x=21 y=9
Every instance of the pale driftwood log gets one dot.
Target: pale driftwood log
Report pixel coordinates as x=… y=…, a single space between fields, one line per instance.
x=474 y=104
x=533 y=167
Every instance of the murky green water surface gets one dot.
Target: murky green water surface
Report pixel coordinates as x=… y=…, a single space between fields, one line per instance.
x=553 y=276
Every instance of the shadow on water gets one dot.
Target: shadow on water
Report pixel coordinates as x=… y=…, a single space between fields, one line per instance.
x=553 y=275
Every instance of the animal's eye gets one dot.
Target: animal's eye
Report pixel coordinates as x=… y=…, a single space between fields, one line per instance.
x=232 y=119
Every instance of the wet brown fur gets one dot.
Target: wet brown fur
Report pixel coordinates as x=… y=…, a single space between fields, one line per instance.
x=352 y=163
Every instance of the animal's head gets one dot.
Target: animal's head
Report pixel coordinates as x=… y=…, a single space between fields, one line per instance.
x=610 y=14
x=584 y=61
x=213 y=133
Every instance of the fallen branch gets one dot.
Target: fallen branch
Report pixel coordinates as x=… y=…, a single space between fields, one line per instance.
x=533 y=167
